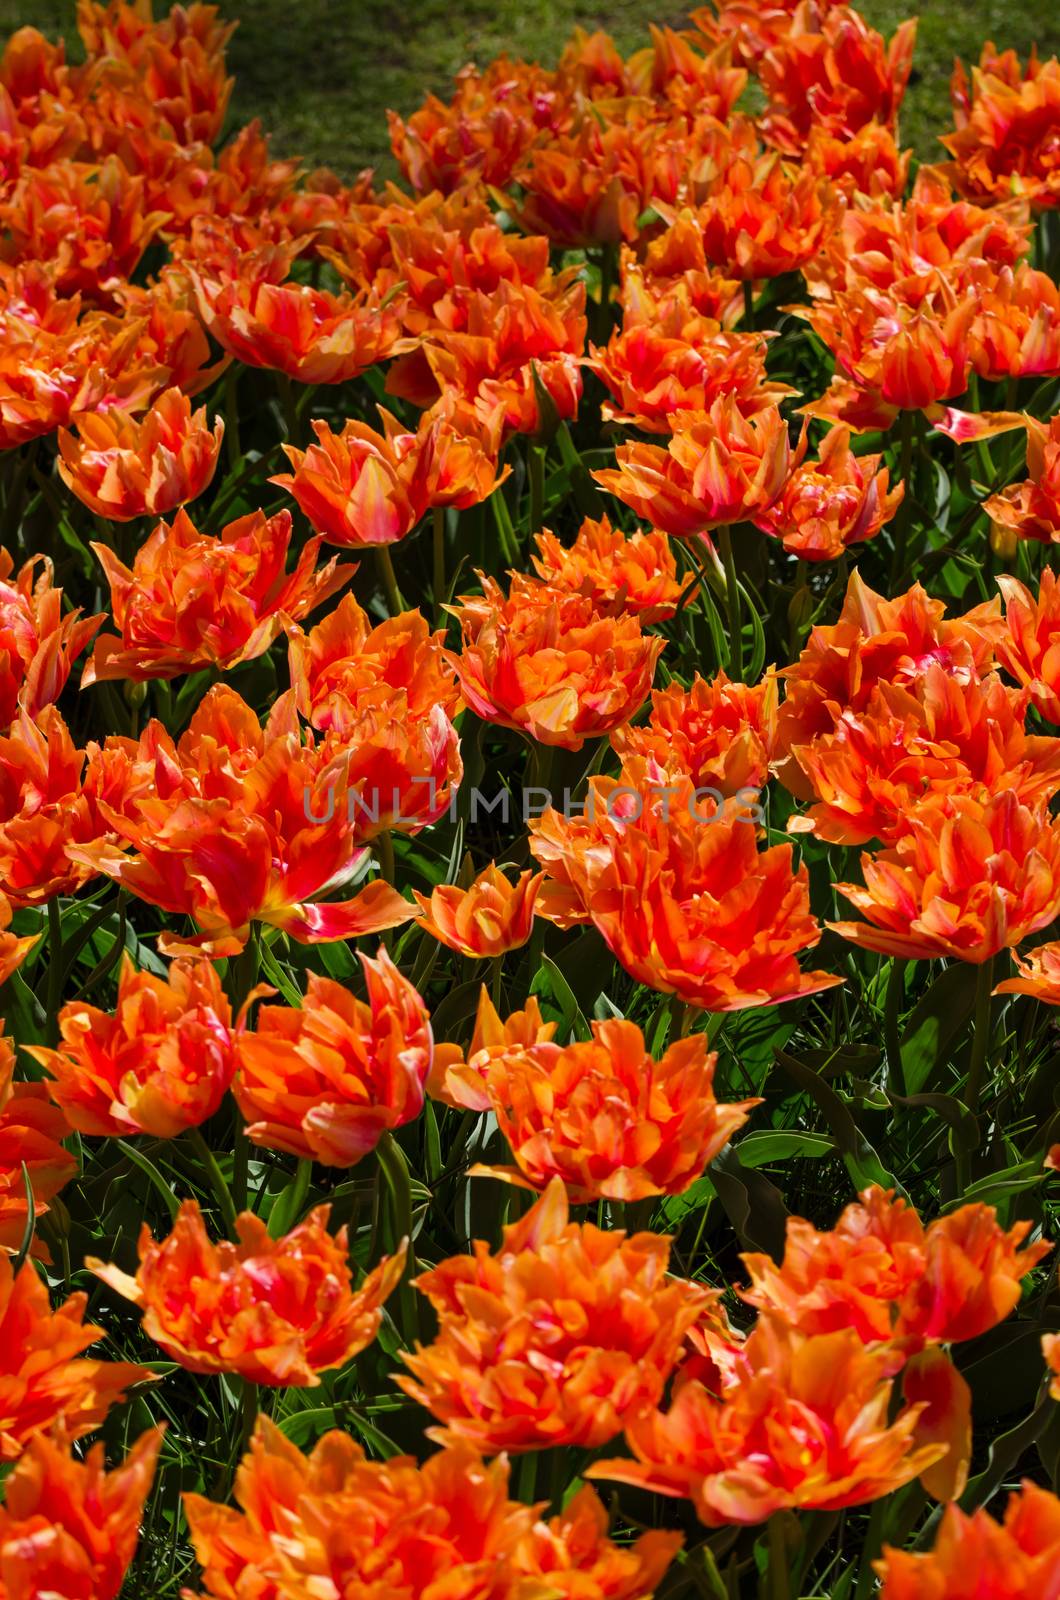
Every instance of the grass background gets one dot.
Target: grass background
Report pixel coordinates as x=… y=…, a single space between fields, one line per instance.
x=321 y=73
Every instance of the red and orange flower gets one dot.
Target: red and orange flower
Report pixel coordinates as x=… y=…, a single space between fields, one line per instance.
x=618 y=572
x=122 y=469
x=487 y=918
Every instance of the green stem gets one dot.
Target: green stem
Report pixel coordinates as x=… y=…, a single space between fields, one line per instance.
x=906 y=421
x=748 y=305
x=871 y=1549
x=438 y=556
x=779 y=1587
x=891 y=1029
x=608 y=274
x=248 y=1416
x=232 y=445
x=981 y=1037
x=222 y=1192
x=395 y=1171
x=536 y=474
x=55 y=970
x=732 y=604
x=394 y=601
x=502 y=517
x=384 y=845
x=496 y=968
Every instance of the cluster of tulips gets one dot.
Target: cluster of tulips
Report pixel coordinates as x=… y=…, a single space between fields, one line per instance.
x=717 y=443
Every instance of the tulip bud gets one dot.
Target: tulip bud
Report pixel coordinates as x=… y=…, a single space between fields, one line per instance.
x=1003 y=541
x=134 y=693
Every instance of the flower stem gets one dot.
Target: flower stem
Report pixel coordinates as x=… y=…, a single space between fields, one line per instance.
x=55 y=969
x=222 y=1193
x=732 y=603
x=386 y=572
x=536 y=474
x=905 y=510
x=891 y=1031
x=438 y=556
x=748 y=305
x=981 y=1037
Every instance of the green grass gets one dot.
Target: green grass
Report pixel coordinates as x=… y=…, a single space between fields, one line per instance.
x=320 y=74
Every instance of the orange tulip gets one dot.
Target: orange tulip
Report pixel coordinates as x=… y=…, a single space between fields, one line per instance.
x=607 y=1119
x=654 y=374
x=31 y=1129
x=720 y=467
x=675 y=282
x=1038 y=974
x=1032 y=508
x=192 y=600
x=885 y=1274
x=680 y=892
x=13 y=948
x=258 y=316
x=240 y=823
x=867 y=163
x=358 y=488
x=178 y=61
x=556 y=1339
x=43 y=1381
x=488 y=918
x=750 y=28
x=334 y=1521
x=830 y=504
x=965 y=879
x=834 y=72
x=588 y=186
x=274 y=1311
x=975 y=1558
x=70 y=1527
x=804 y=1426
x=121 y=469
x=763 y=217
x=39 y=643
x=619 y=572
x=460 y=1082
x=547 y=664
x=162 y=1063
x=1016 y=332
x=718 y=733
x=1027 y=646
x=326 y=1080
x=1005 y=139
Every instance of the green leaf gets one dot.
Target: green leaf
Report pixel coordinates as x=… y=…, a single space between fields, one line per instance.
x=935 y=1022
x=774 y=1145
x=753 y=1205
x=550 y=982
x=861 y=1160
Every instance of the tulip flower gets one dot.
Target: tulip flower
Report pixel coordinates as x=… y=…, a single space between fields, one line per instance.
x=162 y=1063
x=675 y=283
x=973 y=1557
x=335 y=1520
x=263 y=320
x=607 y=1119
x=326 y=1080
x=1005 y=139
x=31 y=1131
x=804 y=1426
x=1016 y=332
x=274 y=1311
x=46 y=1381
x=964 y=879
x=238 y=824
x=13 y=948
x=868 y=163
x=554 y=1340
x=121 y=469
x=192 y=601
x=357 y=488
x=718 y=733
x=833 y=72
x=720 y=467
x=619 y=572
x=39 y=643
x=70 y=1527
x=460 y=1082
x=547 y=664
x=763 y=217
x=830 y=504
x=1026 y=647
x=1032 y=508
x=653 y=374
x=1038 y=975
x=488 y=918
x=179 y=61
x=890 y=1277
x=680 y=892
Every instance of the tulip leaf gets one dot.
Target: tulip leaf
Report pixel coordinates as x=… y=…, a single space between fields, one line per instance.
x=769 y=1145
x=861 y=1160
x=550 y=982
x=935 y=1022
x=753 y=1205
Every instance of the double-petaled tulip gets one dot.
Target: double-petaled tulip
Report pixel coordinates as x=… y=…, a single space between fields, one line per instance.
x=937 y=737
x=1032 y=508
x=606 y=1118
x=556 y=1339
x=123 y=469
x=44 y=1380
x=965 y=878
x=489 y=917
x=336 y=1522
x=1037 y=974
x=832 y=503
x=763 y=217
x=805 y=1425
x=1005 y=138
x=161 y=1063
x=833 y=72
x=258 y=316
x=178 y=61
x=545 y=662
x=458 y=1078
x=885 y=1274
x=680 y=891
x=654 y=374
x=358 y=488
x=193 y=600
x=327 y=1079
x=39 y=643
x=869 y=163
x=674 y=283
x=241 y=825
x=274 y=1311
x=1016 y=332
x=618 y=572
x=70 y=1527
x=720 y=467
x=31 y=1129
x=974 y=1557
x=1029 y=645
x=718 y=733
